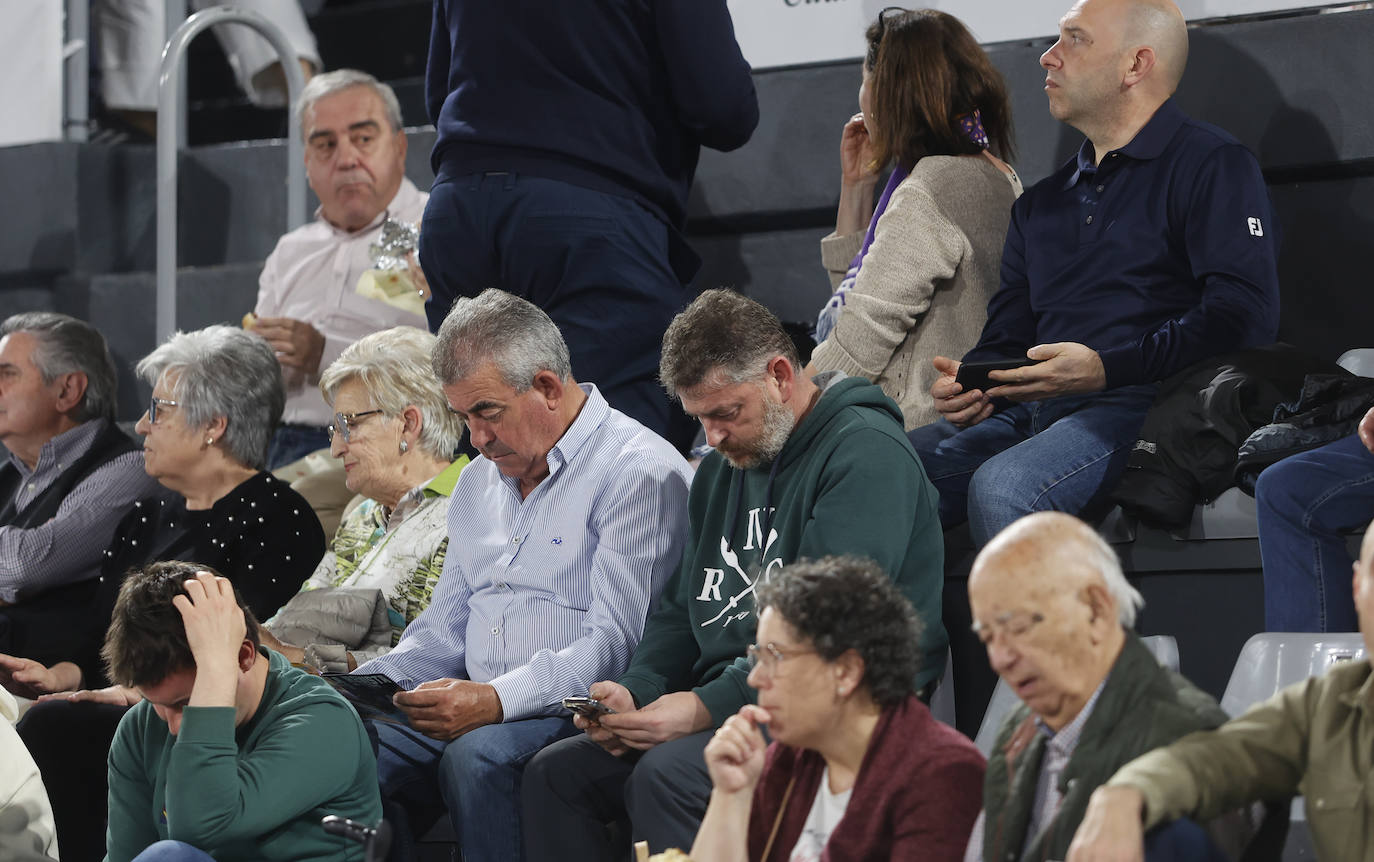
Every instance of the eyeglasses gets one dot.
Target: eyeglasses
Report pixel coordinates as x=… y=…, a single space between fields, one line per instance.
x=770 y=655
x=344 y=423
x=154 y=402
x=1013 y=625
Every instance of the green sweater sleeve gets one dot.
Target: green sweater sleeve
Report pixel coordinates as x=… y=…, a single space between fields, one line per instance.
x=1259 y=755
x=131 y=826
x=663 y=660
x=219 y=794
x=848 y=518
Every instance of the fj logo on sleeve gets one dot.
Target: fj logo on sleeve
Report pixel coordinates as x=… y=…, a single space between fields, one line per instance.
x=1256 y=229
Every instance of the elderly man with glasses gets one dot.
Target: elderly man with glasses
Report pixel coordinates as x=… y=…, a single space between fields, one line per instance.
x=1055 y=612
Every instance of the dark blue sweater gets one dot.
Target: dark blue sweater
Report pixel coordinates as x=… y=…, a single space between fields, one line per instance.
x=612 y=95
x=1161 y=256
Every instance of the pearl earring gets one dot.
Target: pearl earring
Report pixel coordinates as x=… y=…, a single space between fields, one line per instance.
x=405 y=447
x=209 y=441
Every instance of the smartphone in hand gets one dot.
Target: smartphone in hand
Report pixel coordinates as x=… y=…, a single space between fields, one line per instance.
x=974 y=375
x=588 y=707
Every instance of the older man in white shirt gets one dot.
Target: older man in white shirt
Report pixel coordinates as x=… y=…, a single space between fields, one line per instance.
x=309 y=306
x=561 y=537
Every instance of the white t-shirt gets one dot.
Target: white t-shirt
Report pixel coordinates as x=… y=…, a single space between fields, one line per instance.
x=826 y=810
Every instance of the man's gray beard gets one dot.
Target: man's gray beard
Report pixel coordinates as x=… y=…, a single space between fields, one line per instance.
x=778 y=423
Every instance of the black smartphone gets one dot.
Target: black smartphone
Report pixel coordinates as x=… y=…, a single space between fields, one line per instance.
x=370 y=694
x=587 y=707
x=974 y=375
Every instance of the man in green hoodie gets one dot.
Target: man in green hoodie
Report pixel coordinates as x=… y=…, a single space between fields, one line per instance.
x=803 y=468
x=232 y=755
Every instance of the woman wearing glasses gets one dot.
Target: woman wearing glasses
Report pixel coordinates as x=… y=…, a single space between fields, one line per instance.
x=396 y=437
x=913 y=274
x=217 y=395
x=858 y=768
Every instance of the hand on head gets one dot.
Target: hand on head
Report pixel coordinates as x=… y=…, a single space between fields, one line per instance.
x=215 y=625
x=734 y=756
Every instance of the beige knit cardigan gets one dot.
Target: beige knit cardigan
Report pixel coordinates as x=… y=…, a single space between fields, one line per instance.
x=924 y=286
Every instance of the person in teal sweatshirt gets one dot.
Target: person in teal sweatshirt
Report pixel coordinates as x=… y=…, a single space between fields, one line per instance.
x=232 y=754
x=802 y=468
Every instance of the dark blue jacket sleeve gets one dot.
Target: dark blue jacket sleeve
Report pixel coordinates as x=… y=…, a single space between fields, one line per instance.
x=712 y=85
x=436 y=71
x=1010 y=328
x=1231 y=238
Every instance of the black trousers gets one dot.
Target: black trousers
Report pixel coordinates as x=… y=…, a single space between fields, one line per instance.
x=70 y=742
x=578 y=799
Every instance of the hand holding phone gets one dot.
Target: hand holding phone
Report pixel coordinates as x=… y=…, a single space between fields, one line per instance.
x=588 y=707
x=974 y=375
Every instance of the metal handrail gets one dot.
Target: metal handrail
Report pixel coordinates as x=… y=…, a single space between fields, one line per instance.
x=169 y=110
x=76 y=53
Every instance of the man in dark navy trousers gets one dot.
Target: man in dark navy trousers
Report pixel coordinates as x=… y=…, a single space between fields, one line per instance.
x=568 y=134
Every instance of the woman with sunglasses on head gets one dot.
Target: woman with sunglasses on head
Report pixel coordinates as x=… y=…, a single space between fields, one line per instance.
x=858 y=768
x=913 y=274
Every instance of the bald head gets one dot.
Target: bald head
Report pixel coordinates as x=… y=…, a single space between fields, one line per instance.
x=1051 y=607
x=1160 y=26
x=1051 y=552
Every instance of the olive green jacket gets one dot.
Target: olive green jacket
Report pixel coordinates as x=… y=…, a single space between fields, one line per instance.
x=1315 y=738
x=1142 y=706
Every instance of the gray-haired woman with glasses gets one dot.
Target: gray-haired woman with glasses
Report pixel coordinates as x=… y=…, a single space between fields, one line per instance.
x=858 y=768
x=217 y=395
x=395 y=435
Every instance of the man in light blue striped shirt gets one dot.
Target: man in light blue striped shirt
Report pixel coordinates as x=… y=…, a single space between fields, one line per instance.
x=561 y=537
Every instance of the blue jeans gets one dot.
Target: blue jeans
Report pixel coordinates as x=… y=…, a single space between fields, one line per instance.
x=1181 y=841
x=1060 y=454
x=1307 y=503
x=606 y=270
x=293 y=442
x=173 y=851
x=477 y=778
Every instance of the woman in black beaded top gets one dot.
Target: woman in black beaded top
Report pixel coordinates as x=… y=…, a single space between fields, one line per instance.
x=217 y=396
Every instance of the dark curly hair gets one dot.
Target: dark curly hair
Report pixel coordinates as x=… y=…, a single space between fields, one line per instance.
x=146 y=642
x=844 y=603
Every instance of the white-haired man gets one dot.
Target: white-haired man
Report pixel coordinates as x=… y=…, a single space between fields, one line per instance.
x=1055 y=612
x=309 y=304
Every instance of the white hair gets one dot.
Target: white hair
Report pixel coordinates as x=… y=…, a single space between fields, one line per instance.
x=343 y=79
x=394 y=367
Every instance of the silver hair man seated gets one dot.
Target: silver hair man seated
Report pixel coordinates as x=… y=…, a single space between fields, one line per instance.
x=1055 y=612
x=561 y=536
x=69 y=477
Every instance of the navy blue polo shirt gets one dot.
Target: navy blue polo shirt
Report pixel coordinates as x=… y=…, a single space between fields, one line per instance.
x=1163 y=255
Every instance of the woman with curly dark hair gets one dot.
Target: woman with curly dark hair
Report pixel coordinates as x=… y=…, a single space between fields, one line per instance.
x=858 y=768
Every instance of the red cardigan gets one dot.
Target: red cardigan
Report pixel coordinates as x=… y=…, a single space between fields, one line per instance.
x=919 y=789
